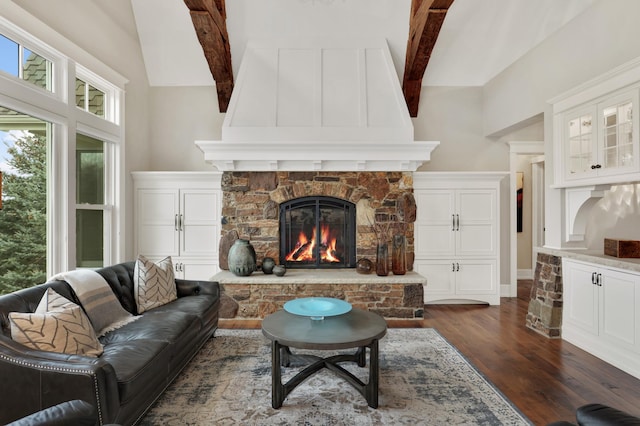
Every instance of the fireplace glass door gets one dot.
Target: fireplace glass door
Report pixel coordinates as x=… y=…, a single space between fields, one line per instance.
x=317 y=232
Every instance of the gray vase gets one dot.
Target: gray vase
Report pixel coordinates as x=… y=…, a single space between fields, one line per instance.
x=267 y=265
x=242 y=258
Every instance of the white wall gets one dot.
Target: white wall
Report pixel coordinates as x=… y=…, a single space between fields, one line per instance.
x=616 y=215
x=108 y=34
x=604 y=36
x=453 y=116
x=178 y=117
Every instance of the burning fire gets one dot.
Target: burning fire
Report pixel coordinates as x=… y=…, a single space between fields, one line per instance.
x=305 y=248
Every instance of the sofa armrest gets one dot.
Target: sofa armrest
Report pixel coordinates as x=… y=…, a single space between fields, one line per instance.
x=194 y=288
x=76 y=412
x=35 y=380
x=601 y=415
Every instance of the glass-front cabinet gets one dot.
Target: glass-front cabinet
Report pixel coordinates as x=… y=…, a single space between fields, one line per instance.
x=600 y=139
x=581 y=142
x=617 y=134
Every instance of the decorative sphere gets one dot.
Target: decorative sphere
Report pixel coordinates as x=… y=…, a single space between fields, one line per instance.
x=364 y=266
x=279 y=270
x=267 y=265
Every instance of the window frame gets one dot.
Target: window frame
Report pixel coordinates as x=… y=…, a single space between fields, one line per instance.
x=58 y=107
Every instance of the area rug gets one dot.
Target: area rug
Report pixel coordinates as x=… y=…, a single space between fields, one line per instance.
x=424 y=380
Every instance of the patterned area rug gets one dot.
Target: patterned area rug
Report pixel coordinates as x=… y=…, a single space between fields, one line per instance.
x=423 y=381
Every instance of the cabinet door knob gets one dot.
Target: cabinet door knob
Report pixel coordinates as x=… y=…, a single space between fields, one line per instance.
x=453 y=222
x=599 y=280
x=593 y=278
x=453 y=267
x=593 y=166
x=457 y=267
x=457 y=222
x=175 y=222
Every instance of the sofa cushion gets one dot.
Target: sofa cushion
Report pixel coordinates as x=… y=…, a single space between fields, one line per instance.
x=154 y=283
x=138 y=364
x=166 y=326
x=205 y=307
x=64 y=329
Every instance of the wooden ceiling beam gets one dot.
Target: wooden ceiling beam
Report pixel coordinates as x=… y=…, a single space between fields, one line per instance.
x=425 y=23
x=209 y=21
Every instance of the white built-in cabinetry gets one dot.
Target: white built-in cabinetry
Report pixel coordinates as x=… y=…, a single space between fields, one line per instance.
x=596 y=144
x=601 y=312
x=457 y=235
x=177 y=214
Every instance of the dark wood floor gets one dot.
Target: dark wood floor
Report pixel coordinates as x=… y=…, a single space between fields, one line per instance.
x=546 y=379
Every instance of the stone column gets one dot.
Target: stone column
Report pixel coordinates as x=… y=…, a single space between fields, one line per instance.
x=545 y=307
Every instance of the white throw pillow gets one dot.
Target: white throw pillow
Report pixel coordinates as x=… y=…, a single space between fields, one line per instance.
x=58 y=325
x=154 y=284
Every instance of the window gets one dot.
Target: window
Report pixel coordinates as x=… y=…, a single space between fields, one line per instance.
x=84 y=150
x=24 y=144
x=91 y=208
x=89 y=98
x=24 y=63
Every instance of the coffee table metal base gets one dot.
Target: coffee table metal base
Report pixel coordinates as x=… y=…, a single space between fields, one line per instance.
x=281 y=356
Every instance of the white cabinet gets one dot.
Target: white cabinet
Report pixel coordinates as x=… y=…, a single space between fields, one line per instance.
x=459 y=278
x=601 y=312
x=457 y=235
x=456 y=222
x=601 y=139
x=178 y=215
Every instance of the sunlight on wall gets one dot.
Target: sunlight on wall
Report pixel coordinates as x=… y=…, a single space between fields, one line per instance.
x=616 y=215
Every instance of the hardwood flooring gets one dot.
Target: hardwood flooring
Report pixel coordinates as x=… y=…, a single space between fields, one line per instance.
x=546 y=379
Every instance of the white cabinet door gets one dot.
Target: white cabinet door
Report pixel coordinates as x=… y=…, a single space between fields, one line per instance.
x=619 y=307
x=440 y=276
x=195 y=269
x=580 y=142
x=459 y=279
x=617 y=135
x=476 y=220
x=199 y=226
x=475 y=277
x=435 y=229
x=157 y=222
x=456 y=223
x=580 y=294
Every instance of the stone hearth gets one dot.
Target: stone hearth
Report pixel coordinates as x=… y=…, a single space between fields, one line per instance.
x=258 y=295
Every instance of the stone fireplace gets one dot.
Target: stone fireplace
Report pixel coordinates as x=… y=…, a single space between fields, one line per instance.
x=318 y=119
x=252 y=201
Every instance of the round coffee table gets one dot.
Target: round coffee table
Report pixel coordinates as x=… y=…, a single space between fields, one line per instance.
x=356 y=329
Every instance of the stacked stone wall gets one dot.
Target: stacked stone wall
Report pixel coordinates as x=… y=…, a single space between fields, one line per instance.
x=255 y=301
x=251 y=203
x=545 y=306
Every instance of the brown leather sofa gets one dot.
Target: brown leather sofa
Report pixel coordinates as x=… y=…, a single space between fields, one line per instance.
x=139 y=361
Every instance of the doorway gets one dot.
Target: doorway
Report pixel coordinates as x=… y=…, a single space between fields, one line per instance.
x=528 y=158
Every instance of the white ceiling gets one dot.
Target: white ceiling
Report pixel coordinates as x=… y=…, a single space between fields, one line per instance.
x=478 y=40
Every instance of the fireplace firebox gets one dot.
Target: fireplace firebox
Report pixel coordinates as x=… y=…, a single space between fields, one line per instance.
x=318 y=232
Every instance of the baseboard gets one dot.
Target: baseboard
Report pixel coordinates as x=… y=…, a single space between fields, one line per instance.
x=525 y=274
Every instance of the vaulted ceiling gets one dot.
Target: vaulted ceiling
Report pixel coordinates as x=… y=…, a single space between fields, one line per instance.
x=432 y=42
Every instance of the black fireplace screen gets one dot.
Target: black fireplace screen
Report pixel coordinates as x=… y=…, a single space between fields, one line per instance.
x=318 y=232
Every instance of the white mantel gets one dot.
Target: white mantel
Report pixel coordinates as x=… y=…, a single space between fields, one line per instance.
x=317 y=104
x=335 y=156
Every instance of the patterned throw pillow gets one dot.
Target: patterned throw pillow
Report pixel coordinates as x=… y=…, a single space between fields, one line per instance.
x=153 y=283
x=58 y=325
